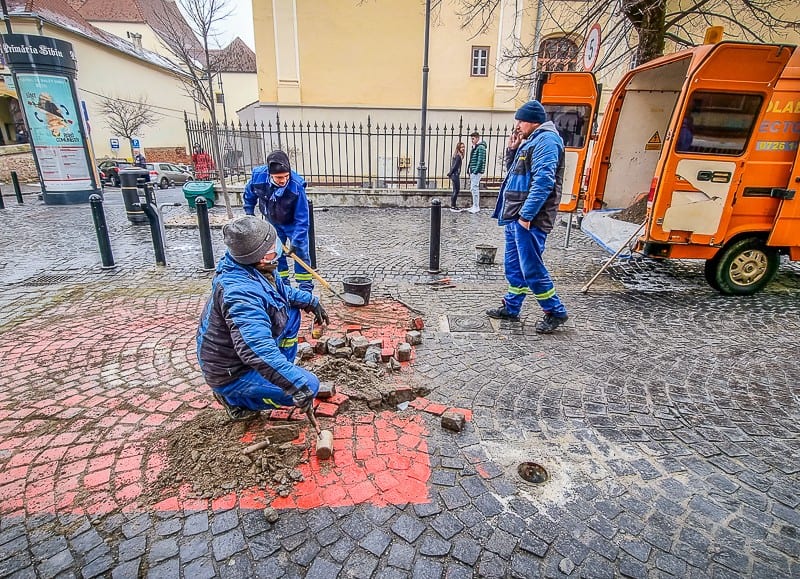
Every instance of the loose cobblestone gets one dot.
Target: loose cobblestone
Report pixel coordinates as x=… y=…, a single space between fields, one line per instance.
x=668 y=431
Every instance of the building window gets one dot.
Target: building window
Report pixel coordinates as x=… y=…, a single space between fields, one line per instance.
x=480 y=61
x=558 y=54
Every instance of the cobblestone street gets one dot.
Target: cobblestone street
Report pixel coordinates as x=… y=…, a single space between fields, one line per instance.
x=665 y=414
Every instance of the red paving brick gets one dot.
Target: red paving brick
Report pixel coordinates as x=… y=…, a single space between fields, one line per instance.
x=105 y=458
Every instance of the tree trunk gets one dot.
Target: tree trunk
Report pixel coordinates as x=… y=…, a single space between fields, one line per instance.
x=648 y=18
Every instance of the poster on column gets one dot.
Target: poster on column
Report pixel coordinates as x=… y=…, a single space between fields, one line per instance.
x=54 y=122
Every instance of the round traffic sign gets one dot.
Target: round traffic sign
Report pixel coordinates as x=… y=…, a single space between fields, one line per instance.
x=591 y=48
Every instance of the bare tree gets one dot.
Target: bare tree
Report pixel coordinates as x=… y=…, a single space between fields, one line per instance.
x=198 y=58
x=640 y=28
x=127 y=118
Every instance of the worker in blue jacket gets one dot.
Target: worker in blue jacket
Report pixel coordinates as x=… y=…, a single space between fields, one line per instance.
x=527 y=206
x=247 y=337
x=280 y=194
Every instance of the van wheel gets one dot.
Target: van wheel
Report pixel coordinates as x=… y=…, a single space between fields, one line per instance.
x=710 y=271
x=745 y=267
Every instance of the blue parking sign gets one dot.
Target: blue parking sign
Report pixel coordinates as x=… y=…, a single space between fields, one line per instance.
x=114 y=143
x=135 y=143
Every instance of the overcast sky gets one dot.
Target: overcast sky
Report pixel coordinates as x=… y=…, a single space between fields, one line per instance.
x=240 y=24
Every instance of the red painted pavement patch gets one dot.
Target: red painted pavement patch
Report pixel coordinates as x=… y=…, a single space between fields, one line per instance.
x=85 y=390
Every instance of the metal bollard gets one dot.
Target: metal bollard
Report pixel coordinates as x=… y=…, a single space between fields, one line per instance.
x=17 y=190
x=101 y=229
x=205 y=233
x=312 y=236
x=155 y=231
x=2 y=203
x=436 y=235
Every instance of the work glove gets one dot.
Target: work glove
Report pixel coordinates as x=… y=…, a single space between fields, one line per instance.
x=303 y=398
x=320 y=315
x=288 y=248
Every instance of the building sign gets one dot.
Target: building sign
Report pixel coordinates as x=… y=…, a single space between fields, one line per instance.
x=54 y=125
x=24 y=50
x=114 y=143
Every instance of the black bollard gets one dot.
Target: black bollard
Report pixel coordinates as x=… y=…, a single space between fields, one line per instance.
x=155 y=231
x=2 y=203
x=205 y=232
x=312 y=236
x=436 y=235
x=17 y=190
x=101 y=229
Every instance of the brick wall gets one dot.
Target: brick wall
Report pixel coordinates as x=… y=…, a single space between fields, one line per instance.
x=167 y=155
x=17 y=158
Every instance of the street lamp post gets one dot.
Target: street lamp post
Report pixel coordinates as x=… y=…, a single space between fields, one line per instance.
x=422 y=170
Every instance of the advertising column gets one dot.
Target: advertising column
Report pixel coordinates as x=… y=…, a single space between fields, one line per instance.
x=44 y=71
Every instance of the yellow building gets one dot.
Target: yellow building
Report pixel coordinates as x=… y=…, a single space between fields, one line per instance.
x=107 y=67
x=328 y=60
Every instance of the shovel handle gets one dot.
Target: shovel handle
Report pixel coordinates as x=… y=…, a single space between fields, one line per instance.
x=313 y=273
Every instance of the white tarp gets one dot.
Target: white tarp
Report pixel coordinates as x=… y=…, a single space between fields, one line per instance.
x=608 y=232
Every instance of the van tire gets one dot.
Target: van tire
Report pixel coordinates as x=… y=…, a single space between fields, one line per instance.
x=710 y=271
x=745 y=266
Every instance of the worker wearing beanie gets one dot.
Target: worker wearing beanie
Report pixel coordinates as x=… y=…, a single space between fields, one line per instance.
x=247 y=337
x=527 y=207
x=280 y=194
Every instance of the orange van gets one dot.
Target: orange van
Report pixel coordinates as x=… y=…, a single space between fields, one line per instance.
x=711 y=135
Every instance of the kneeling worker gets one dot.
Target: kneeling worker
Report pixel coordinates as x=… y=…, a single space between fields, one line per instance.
x=247 y=338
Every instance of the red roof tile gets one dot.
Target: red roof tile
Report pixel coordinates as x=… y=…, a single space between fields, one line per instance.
x=236 y=57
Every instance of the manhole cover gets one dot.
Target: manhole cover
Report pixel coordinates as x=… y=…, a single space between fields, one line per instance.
x=40 y=280
x=469 y=324
x=532 y=472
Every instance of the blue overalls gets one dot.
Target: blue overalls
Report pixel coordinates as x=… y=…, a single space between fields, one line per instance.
x=531 y=191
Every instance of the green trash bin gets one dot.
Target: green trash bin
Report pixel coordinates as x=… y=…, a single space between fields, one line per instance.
x=194 y=189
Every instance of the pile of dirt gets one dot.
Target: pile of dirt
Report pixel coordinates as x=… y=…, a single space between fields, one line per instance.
x=634 y=213
x=206 y=453
x=369 y=388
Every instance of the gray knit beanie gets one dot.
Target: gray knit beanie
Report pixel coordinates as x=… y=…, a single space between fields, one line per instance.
x=249 y=239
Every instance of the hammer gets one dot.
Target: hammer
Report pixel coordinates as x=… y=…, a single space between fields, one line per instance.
x=324 y=437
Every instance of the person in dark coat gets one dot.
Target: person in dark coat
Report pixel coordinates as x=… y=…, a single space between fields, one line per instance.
x=455 y=174
x=247 y=337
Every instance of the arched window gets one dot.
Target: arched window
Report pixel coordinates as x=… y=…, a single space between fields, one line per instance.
x=557 y=53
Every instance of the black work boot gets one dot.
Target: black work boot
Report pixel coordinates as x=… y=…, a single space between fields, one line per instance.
x=502 y=313
x=235 y=413
x=549 y=323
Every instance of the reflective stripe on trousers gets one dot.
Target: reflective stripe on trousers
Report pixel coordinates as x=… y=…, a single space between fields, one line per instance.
x=526 y=272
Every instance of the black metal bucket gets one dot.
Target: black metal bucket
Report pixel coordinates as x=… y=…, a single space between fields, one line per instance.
x=356 y=289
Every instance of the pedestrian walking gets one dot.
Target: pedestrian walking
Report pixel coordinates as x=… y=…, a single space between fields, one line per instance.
x=527 y=206
x=140 y=161
x=476 y=168
x=280 y=194
x=247 y=337
x=455 y=174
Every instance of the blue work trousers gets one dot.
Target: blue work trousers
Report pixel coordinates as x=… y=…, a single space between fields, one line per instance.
x=304 y=279
x=253 y=391
x=526 y=272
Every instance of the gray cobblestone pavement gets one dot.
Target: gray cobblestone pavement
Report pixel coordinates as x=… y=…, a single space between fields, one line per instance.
x=665 y=414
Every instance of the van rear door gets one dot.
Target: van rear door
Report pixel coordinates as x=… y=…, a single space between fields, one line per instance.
x=786 y=231
x=711 y=141
x=570 y=99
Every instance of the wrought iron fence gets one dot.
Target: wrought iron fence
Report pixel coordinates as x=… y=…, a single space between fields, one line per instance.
x=353 y=154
